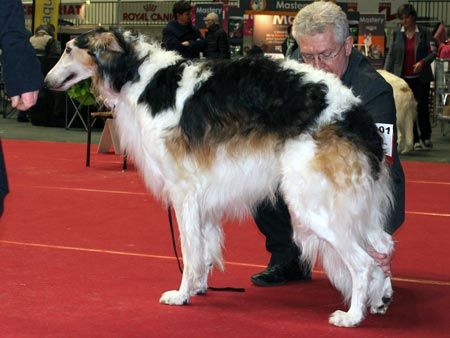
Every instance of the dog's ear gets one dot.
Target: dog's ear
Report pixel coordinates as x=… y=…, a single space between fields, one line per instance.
x=106 y=48
x=107 y=41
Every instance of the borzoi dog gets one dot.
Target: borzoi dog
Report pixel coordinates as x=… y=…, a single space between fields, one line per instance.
x=214 y=139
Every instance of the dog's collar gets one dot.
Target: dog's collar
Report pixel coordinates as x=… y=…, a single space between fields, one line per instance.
x=141 y=60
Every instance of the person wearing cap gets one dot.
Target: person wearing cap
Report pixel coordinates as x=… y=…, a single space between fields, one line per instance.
x=218 y=46
x=44 y=43
x=180 y=35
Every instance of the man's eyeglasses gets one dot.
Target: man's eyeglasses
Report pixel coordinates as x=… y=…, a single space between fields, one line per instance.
x=322 y=57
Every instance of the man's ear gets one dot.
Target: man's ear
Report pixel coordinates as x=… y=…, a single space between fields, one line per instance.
x=348 y=45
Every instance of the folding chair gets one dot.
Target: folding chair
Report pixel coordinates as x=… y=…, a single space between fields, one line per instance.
x=108 y=138
x=77 y=106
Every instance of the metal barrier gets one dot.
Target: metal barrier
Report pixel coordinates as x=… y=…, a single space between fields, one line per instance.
x=435 y=10
x=442 y=93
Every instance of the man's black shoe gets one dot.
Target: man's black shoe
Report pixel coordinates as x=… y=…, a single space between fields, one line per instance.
x=280 y=274
x=22 y=117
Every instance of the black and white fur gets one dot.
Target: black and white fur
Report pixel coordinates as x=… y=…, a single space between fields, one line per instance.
x=216 y=138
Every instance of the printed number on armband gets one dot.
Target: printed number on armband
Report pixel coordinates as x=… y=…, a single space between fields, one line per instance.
x=387 y=132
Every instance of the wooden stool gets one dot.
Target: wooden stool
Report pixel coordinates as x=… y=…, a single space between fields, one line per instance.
x=108 y=138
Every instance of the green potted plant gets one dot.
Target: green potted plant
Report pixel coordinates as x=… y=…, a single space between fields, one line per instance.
x=81 y=92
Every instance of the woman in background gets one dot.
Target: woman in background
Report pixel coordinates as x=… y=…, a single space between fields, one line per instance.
x=409 y=57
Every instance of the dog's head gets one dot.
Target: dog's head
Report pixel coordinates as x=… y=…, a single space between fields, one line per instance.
x=100 y=54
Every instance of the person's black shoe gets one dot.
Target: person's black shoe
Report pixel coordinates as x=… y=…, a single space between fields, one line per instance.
x=280 y=274
x=23 y=117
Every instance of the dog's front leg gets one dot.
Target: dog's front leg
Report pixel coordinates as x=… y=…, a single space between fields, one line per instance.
x=212 y=238
x=191 y=246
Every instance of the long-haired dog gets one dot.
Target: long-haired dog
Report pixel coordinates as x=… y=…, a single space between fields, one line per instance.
x=406 y=107
x=214 y=139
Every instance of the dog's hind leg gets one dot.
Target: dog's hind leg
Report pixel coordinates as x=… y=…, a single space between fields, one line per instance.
x=336 y=270
x=408 y=127
x=195 y=268
x=401 y=142
x=347 y=264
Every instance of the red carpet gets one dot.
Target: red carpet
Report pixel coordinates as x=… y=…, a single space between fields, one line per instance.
x=86 y=252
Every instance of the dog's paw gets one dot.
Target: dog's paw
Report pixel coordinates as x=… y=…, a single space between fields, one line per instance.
x=344 y=319
x=378 y=310
x=201 y=291
x=174 y=297
x=382 y=307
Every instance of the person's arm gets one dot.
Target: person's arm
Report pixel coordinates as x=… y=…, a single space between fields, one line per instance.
x=284 y=46
x=429 y=58
x=224 y=46
x=389 y=60
x=382 y=109
x=21 y=68
x=170 y=41
x=381 y=106
x=200 y=43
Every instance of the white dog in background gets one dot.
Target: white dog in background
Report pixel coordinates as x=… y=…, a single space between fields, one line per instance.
x=406 y=107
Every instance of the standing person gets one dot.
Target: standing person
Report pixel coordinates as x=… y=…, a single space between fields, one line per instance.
x=180 y=35
x=44 y=43
x=48 y=51
x=322 y=32
x=21 y=69
x=409 y=57
x=218 y=46
x=289 y=47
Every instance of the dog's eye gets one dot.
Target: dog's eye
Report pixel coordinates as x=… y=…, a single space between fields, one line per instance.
x=68 y=50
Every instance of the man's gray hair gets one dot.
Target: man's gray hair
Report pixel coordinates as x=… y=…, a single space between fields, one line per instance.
x=213 y=17
x=319 y=16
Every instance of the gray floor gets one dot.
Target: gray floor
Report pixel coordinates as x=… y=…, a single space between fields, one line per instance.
x=11 y=129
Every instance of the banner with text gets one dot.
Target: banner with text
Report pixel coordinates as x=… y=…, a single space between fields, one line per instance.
x=282 y=5
x=273 y=5
x=155 y=12
x=371 y=38
x=202 y=10
x=269 y=32
x=46 y=12
x=66 y=11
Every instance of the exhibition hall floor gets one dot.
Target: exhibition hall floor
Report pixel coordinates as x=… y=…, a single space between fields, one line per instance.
x=87 y=252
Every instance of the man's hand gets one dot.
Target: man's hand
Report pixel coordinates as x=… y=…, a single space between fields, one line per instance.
x=24 y=101
x=417 y=67
x=383 y=260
